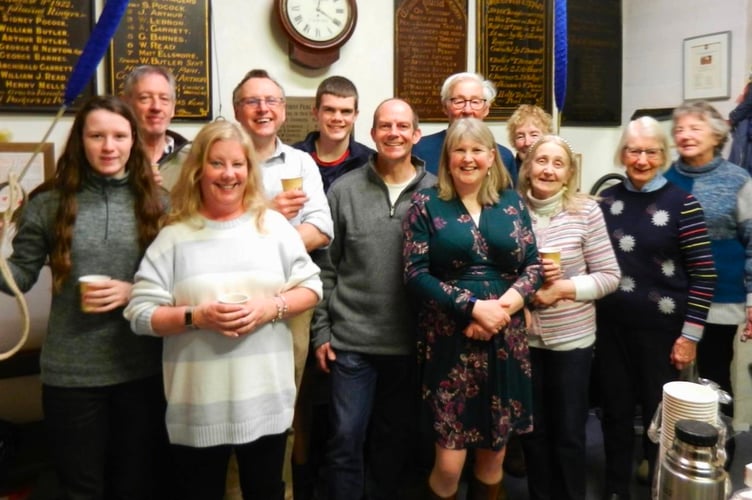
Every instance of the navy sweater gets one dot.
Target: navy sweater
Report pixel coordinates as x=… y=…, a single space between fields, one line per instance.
x=662 y=245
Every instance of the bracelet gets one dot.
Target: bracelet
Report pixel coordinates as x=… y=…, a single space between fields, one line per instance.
x=281 y=307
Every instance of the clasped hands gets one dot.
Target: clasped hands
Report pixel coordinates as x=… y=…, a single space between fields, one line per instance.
x=489 y=318
x=234 y=320
x=549 y=294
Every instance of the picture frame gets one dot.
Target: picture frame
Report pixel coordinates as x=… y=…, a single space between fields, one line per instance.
x=14 y=156
x=706 y=66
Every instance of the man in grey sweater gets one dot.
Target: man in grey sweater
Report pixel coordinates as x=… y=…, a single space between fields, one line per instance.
x=363 y=330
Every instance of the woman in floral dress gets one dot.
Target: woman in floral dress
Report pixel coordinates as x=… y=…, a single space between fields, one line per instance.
x=471 y=262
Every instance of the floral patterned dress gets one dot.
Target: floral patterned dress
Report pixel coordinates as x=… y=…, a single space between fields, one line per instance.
x=477 y=392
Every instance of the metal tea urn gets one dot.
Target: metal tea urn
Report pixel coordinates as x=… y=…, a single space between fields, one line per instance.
x=690 y=469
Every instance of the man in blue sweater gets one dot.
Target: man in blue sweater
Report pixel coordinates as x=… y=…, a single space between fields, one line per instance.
x=463 y=95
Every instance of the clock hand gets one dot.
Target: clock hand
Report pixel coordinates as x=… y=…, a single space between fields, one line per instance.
x=325 y=14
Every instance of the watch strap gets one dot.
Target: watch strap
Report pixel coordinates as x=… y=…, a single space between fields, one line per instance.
x=188 y=318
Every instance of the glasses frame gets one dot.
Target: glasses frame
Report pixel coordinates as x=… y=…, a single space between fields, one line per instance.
x=255 y=102
x=650 y=153
x=459 y=103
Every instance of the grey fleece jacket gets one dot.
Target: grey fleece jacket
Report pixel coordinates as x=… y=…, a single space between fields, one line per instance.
x=365 y=307
x=86 y=350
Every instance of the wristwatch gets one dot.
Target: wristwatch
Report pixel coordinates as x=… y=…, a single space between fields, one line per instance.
x=189 y=318
x=470 y=306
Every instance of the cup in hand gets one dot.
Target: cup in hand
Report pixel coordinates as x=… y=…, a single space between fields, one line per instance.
x=553 y=253
x=289 y=183
x=84 y=282
x=233 y=298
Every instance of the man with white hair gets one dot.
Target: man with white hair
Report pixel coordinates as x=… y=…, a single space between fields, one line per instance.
x=463 y=95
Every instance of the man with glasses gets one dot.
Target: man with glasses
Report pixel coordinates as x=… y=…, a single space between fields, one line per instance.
x=150 y=92
x=463 y=95
x=259 y=104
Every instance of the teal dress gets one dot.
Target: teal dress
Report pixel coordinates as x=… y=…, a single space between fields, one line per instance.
x=475 y=392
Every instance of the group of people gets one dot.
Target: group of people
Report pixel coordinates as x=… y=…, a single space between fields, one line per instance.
x=412 y=271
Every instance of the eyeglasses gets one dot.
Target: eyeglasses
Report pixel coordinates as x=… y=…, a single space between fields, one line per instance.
x=255 y=102
x=459 y=103
x=651 y=153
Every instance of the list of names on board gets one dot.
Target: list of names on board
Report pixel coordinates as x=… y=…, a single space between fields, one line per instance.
x=513 y=52
x=170 y=33
x=40 y=42
x=430 y=43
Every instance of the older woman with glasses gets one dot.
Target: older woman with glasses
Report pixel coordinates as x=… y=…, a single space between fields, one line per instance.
x=648 y=329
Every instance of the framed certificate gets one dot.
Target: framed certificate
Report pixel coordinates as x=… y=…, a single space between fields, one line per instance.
x=706 y=66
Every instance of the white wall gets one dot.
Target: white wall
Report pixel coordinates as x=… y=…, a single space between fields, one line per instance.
x=246 y=36
x=653 y=34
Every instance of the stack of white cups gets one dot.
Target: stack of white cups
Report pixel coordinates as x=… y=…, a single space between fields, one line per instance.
x=685 y=400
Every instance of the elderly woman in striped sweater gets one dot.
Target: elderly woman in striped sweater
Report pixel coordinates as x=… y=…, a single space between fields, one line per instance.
x=562 y=330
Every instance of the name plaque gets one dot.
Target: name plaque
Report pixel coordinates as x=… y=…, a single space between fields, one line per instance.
x=514 y=39
x=40 y=43
x=170 y=33
x=430 y=43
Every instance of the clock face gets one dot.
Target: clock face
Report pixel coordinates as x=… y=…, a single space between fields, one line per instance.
x=319 y=20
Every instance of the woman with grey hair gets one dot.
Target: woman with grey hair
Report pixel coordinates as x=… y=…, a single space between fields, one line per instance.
x=561 y=333
x=648 y=329
x=725 y=192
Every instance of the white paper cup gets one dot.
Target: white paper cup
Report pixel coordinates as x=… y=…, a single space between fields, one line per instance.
x=233 y=298
x=84 y=282
x=553 y=253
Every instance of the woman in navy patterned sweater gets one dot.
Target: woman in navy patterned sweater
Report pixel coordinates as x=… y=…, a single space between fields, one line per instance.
x=649 y=328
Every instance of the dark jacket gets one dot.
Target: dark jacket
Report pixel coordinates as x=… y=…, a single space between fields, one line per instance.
x=359 y=154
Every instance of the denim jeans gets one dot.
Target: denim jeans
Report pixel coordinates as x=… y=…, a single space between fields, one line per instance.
x=555 y=450
x=373 y=408
x=108 y=442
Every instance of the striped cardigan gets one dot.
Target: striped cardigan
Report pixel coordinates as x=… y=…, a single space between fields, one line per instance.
x=587 y=258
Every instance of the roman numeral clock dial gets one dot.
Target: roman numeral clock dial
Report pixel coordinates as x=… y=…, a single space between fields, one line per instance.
x=316 y=29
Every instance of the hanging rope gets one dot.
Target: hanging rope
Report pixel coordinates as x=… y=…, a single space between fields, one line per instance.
x=15 y=195
x=86 y=66
x=560 y=56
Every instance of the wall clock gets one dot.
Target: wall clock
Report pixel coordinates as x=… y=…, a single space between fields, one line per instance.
x=316 y=29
